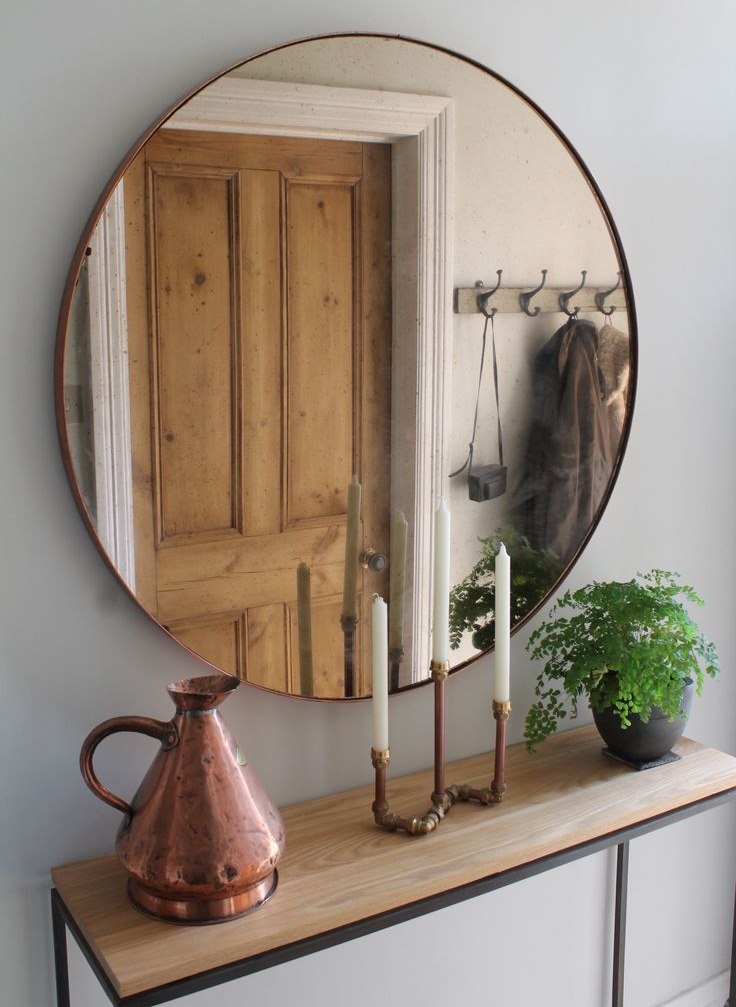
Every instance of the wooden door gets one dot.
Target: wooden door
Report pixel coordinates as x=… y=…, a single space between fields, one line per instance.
x=260 y=315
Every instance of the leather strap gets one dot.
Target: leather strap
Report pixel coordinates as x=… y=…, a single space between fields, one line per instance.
x=468 y=463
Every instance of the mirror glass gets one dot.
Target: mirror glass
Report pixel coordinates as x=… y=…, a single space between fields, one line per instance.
x=274 y=361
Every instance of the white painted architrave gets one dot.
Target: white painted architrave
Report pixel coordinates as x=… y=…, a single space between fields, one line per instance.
x=419 y=127
x=109 y=381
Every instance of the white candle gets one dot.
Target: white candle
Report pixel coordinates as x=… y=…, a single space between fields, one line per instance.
x=502 y=615
x=379 y=635
x=441 y=608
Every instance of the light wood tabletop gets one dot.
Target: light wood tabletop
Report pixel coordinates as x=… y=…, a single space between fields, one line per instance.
x=339 y=868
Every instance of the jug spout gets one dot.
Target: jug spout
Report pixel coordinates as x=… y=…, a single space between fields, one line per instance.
x=206 y=692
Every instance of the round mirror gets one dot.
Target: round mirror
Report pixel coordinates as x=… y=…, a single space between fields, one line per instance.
x=348 y=278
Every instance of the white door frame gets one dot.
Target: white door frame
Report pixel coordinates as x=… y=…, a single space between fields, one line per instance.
x=108 y=327
x=419 y=127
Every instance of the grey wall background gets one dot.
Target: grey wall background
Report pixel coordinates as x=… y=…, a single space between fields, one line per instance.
x=646 y=93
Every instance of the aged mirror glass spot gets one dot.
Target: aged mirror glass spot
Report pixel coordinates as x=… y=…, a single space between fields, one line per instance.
x=281 y=346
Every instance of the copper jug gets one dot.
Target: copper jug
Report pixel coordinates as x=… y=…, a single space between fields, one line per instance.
x=200 y=840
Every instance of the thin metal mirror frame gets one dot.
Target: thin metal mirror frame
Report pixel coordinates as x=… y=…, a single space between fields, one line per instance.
x=79 y=256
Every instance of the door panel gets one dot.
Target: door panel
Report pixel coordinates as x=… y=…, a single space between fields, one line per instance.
x=260 y=368
x=195 y=344
x=268 y=648
x=220 y=640
x=262 y=314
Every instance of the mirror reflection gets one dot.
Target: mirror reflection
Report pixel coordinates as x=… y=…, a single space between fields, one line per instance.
x=285 y=346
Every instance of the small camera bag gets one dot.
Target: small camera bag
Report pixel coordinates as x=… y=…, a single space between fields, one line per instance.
x=485 y=482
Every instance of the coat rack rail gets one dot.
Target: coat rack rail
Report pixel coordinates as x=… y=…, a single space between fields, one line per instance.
x=506 y=299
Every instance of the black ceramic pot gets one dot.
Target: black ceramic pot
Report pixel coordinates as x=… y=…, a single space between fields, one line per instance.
x=644 y=742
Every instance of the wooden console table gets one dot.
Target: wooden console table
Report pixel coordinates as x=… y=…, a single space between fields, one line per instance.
x=342 y=877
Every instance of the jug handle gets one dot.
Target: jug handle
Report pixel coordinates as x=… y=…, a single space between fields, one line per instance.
x=164 y=732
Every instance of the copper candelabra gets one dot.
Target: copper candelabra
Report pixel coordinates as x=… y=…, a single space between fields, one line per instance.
x=442 y=797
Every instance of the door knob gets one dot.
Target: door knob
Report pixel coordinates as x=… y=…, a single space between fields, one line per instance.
x=372 y=560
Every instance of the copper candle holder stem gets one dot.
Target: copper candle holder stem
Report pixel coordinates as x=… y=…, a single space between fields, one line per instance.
x=440 y=670
x=380 y=759
x=501 y=713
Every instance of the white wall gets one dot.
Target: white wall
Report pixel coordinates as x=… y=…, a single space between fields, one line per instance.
x=646 y=93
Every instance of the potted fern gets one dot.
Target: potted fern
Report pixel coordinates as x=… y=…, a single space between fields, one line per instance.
x=634 y=651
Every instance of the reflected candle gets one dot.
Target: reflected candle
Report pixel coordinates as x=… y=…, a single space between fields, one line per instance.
x=379 y=638
x=397 y=576
x=352 y=549
x=441 y=608
x=304 y=625
x=502 y=617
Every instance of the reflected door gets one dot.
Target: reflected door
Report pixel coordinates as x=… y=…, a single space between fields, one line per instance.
x=259 y=341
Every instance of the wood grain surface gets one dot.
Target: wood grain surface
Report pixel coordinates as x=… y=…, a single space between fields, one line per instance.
x=339 y=868
x=259 y=309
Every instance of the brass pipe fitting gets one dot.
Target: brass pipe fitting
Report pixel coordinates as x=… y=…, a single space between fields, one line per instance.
x=442 y=802
x=464 y=792
x=415 y=826
x=440 y=670
x=501 y=711
x=383 y=817
x=420 y=826
x=498 y=791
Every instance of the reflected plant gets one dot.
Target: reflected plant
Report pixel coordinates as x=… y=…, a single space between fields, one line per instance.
x=473 y=600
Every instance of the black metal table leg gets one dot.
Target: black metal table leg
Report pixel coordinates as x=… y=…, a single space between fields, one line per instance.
x=619 y=928
x=61 y=965
x=732 y=980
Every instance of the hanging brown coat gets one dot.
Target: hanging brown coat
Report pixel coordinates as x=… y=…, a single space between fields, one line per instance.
x=574 y=436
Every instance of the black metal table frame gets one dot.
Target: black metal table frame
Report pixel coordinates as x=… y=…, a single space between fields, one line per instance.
x=63 y=920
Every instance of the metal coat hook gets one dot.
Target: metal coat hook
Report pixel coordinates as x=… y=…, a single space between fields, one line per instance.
x=525 y=298
x=565 y=297
x=600 y=297
x=485 y=297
